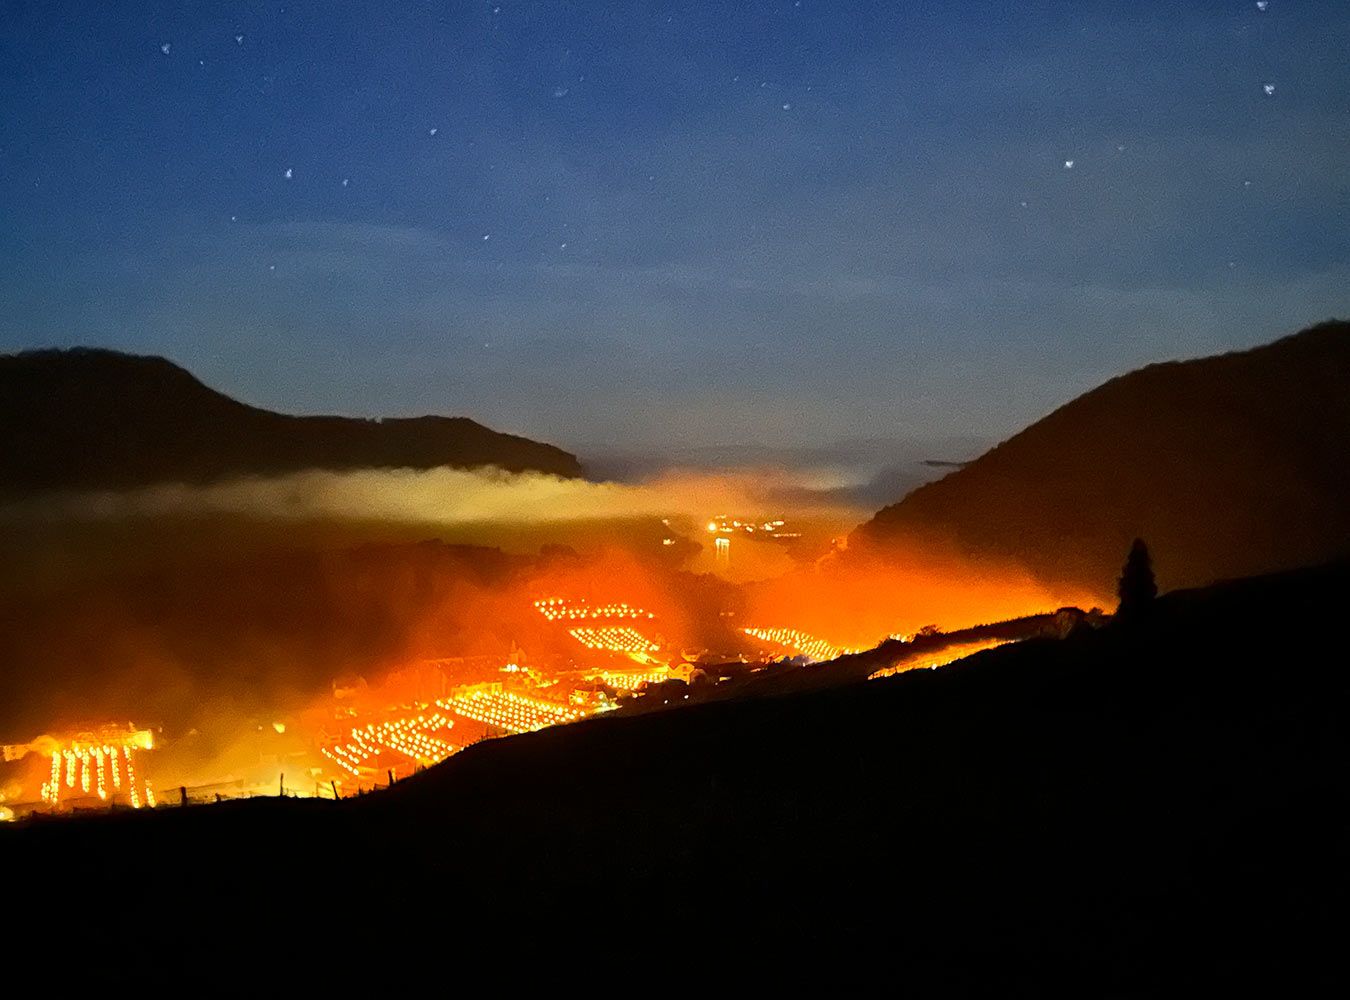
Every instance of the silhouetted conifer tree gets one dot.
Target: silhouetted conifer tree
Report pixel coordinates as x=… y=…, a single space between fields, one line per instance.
x=1137 y=588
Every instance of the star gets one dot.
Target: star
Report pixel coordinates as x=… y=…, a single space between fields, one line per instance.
x=344 y=182
x=164 y=48
x=1068 y=164
x=1269 y=89
x=238 y=39
x=432 y=131
x=1261 y=5
x=288 y=173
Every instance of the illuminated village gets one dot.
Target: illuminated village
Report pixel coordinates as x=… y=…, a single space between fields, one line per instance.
x=595 y=657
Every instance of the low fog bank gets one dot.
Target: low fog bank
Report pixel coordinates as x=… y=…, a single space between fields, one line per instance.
x=451 y=496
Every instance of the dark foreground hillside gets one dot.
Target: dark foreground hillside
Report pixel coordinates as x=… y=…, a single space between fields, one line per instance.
x=1128 y=810
x=88 y=419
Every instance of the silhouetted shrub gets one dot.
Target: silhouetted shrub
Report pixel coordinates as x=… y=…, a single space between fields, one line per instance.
x=1137 y=588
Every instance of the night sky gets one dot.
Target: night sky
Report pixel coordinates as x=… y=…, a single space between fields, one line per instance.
x=663 y=224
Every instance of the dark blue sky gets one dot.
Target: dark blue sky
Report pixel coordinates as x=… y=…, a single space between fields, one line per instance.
x=677 y=223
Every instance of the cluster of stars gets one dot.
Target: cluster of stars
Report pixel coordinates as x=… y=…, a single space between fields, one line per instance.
x=564 y=89
x=1267 y=88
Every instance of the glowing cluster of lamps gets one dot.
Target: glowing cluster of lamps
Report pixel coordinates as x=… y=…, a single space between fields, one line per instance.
x=558 y=609
x=723 y=525
x=100 y=770
x=510 y=711
x=613 y=639
x=631 y=682
x=803 y=643
x=414 y=737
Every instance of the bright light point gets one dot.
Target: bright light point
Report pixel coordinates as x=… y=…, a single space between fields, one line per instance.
x=164 y=48
x=280 y=727
x=1068 y=164
x=289 y=173
x=787 y=107
x=1269 y=89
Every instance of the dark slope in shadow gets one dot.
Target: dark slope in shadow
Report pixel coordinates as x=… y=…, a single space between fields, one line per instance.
x=1125 y=809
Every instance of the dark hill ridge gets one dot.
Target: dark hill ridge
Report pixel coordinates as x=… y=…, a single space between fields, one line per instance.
x=96 y=419
x=1226 y=465
x=1127 y=809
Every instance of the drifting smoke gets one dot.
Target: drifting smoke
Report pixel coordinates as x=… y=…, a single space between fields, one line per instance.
x=214 y=611
x=857 y=598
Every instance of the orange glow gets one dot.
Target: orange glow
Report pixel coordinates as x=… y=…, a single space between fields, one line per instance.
x=509 y=711
x=854 y=600
x=798 y=643
x=462 y=655
x=938 y=658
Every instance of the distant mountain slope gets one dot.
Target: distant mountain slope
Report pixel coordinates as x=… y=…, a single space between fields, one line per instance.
x=95 y=419
x=1226 y=466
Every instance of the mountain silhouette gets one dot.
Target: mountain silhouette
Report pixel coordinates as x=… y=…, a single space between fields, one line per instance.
x=1227 y=466
x=97 y=419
